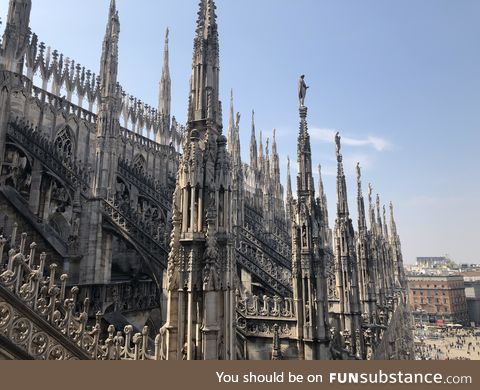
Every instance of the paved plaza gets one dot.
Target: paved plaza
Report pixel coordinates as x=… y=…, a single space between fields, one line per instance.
x=453 y=345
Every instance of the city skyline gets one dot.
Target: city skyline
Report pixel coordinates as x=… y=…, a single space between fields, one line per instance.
x=398 y=86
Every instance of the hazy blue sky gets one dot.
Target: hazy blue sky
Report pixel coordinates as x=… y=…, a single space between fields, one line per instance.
x=399 y=79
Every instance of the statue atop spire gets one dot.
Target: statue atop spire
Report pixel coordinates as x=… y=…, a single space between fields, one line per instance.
x=308 y=249
x=338 y=143
x=359 y=174
x=302 y=90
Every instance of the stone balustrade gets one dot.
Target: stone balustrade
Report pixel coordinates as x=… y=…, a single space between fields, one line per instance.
x=266 y=306
x=266 y=316
x=149 y=235
x=39 y=316
x=147 y=185
x=58 y=73
x=124 y=296
x=74 y=173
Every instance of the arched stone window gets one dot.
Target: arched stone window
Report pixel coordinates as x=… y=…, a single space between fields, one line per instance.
x=64 y=143
x=139 y=163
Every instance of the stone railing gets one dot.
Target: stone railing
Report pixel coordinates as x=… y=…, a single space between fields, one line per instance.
x=40 y=318
x=148 y=236
x=128 y=296
x=268 y=275
x=73 y=173
x=146 y=185
x=282 y=260
x=64 y=104
x=260 y=327
x=266 y=317
x=278 y=243
x=60 y=74
x=266 y=306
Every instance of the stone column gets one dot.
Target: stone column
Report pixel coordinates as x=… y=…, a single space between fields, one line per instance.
x=172 y=326
x=34 y=201
x=211 y=327
x=95 y=266
x=5 y=78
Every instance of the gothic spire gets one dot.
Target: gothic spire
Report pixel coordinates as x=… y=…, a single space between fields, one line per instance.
x=385 y=226
x=16 y=35
x=267 y=150
x=274 y=143
x=305 y=186
x=393 y=225
x=206 y=189
x=207 y=21
x=322 y=197
x=253 y=146
x=308 y=256
x=371 y=209
x=204 y=85
x=362 y=221
x=165 y=96
x=289 y=181
x=346 y=260
x=342 y=203
x=260 y=152
x=19 y=13
x=275 y=160
x=108 y=124
x=379 y=217
x=231 y=124
x=321 y=189
x=109 y=61
x=234 y=135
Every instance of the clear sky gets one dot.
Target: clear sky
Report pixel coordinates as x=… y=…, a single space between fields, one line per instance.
x=399 y=79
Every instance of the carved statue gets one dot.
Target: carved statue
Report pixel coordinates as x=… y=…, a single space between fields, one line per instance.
x=75 y=226
x=338 y=140
x=302 y=90
x=163 y=342
x=185 y=351
x=220 y=348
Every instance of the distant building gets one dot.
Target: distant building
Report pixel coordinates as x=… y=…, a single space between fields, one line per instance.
x=438 y=298
x=472 y=293
x=469 y=267
x=433 y=262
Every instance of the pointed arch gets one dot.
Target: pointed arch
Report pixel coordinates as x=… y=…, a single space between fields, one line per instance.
x=65 y=142
x=140 y=163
